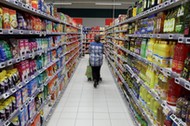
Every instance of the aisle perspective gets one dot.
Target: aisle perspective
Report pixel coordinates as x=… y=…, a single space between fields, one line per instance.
x=84 y=105
x=148 y=50
x=39 y=51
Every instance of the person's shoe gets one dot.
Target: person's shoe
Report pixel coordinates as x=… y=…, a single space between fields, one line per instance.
x=95 y=84
x=100 y=79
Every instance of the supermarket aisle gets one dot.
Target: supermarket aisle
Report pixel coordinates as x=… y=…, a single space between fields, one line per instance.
x=82 y=105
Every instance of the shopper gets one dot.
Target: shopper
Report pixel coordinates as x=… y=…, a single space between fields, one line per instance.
x=96 y=58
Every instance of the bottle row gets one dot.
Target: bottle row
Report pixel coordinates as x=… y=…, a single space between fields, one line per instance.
x=164 y=53
x=15 y=48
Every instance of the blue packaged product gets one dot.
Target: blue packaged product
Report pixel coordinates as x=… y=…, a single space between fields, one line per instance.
x=22 y=118
x=31 y=109
x=32 y=87
x=26 y=113
x=18 y=98
x=40 y=5
x=24 y=92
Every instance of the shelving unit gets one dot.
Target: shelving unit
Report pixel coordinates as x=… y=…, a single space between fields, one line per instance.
x=89 y=36
x=120 y=57
x=51 y=60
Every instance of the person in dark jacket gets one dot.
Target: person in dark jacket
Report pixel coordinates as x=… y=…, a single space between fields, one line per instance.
x=96 y=58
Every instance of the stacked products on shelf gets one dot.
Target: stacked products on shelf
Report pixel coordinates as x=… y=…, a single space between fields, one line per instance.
x=90 y=33
x=150 y=59
x=35 y=69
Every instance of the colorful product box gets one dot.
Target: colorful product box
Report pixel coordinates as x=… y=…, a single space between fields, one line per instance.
x=32 y=87
x=18 y=97
x=24 y=91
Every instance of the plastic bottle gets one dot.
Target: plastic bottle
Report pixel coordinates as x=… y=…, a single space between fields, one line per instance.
x=174 y=92
x=180 y=54
x=164 y=54
x=143 y=47
x=150 y=49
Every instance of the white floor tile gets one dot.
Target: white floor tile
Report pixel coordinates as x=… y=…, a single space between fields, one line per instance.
x=85 y=115
x=68 y=115
x=116 y=109
x=99 y=116
x=52 y=122
x=70 y=109
x=66 y=122
x=120 y=122
x=85 y=109
x=102 y=122
x=82 y=105
x=83 y=122
x=116 y=115
x=101 y=109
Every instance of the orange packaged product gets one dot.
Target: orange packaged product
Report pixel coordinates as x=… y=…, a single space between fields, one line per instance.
x=37 y=121
x=6 y=18
x=13 y=19
x=50 y=71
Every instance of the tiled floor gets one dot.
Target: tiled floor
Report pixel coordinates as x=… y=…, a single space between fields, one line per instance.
x=82 y=105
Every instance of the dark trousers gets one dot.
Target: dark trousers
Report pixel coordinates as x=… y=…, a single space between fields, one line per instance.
x=96 y=73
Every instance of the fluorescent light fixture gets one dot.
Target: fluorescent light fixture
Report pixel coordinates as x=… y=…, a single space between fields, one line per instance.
x=109 y=4
x=64 y=3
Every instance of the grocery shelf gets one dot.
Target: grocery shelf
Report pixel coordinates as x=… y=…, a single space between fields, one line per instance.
x=134 y=98
x=68 y=43
x=28 y=32
x=27 y=56
x=72 y=49
x=177 y=120
x=23 y=83
x=73 y=37
x=121 y=39
x=166 y=108
x=72 y=56
x=58 y=99
x=179 y=37
x=161 y=7
x=29 y=9
x=119 y=31
x=166 y=71
x=73 y=32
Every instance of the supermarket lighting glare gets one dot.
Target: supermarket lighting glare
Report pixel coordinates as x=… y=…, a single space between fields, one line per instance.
x=109 y=4
x=62 y=3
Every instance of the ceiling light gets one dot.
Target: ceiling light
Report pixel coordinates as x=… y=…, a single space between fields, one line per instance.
x=109 y=4
x=64 y=3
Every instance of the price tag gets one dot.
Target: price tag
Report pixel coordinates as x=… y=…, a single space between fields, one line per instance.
x=158 y=36
x=13 y=90
x=26 y=81
x=170 y=36
x=2 y=65
x=187 y=40
x=7 y=123
x=21 y=32
x=10 y=62
x=15 y=2
x=23 y=58
x=33 y=76
x=10 y=31
x=187 y=86
x=19 y=86
x=180 y=39
x=177 y=80
x=156 y=98
x=6 y=95
x=173 y=117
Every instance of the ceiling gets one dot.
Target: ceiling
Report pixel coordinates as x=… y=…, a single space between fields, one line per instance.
x=91 y=4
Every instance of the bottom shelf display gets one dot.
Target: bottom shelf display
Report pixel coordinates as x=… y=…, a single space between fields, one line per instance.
x=145 y=108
